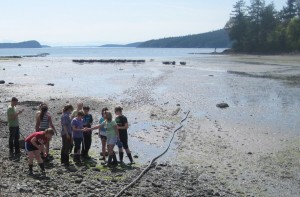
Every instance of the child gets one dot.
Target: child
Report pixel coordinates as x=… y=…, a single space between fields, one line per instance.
x=43 y=122
x=87 y=136
x=77 y=128
x=73 y=115
x=66 y=134
x=122 y=122
x=112 y=135
x=102 y=133
x=35 y=145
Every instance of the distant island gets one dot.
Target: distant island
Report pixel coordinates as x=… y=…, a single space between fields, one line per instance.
x=213 y=39
x=26 y=44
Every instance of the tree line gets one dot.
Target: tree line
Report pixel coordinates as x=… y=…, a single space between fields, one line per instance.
x=260 y=28
x=213 y=39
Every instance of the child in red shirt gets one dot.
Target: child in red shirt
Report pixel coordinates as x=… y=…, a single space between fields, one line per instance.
x=35 y=145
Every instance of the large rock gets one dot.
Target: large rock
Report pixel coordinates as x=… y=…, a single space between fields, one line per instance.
x=222 y=105
x=2 y=82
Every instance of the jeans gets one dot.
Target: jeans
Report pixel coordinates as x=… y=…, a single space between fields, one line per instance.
x=66 y=144
x=14 y=136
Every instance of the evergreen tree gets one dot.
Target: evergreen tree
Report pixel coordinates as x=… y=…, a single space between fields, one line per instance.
x=237 y=26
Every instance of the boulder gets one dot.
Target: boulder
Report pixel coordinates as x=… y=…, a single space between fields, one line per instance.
x=2 y=82
x=222 y=105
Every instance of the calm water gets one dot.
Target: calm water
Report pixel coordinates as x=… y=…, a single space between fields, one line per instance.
x=100 y=52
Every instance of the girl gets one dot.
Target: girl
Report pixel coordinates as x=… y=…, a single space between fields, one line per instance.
x=112 y=135
x=66 y=134
x=43 y=122
x=77 y=128
x=102 y=133
x=34 y=146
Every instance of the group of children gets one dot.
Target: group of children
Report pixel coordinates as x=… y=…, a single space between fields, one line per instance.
x=76 y=133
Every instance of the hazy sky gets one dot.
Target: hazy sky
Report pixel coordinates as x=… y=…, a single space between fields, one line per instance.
x=78 y=22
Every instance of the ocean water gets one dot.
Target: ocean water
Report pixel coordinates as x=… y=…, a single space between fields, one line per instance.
x=108 y=52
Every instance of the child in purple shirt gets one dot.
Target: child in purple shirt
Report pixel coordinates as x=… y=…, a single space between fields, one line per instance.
x=77 y=129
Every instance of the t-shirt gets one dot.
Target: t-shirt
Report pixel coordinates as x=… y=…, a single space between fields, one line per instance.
x=74 y=113
x=87 y=120
x=109 y=126
x=121 y=121
x=12 y=122
x=66 y=121
x=79 y=125
x=40 y=138
x=102 y=130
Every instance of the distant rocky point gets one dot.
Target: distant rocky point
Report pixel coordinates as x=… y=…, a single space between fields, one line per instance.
x=26 y=44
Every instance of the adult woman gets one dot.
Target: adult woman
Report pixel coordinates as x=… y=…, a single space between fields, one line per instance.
x=112 y=135
x=66 y=134
x=34 y=146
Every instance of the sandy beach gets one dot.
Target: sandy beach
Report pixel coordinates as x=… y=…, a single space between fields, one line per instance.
x=250 y=148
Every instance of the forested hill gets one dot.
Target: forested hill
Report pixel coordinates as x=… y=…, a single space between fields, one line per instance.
x=214 y=39
x=26 y=44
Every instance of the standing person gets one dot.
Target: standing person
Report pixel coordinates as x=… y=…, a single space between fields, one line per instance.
x=43 y=122
x=102 y=133
x=34 y=146
x=66 y=134
x=77 y=128
x=112 y=135
x=87 y=136
x=122 y=122
x=13 y=125
x=73 y=115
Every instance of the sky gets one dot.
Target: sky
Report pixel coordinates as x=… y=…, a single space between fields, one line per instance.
x=94 y=22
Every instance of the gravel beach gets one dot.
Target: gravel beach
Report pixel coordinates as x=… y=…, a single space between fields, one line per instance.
x=250 y=148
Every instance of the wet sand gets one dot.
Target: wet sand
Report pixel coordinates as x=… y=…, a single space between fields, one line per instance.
x=250 y=148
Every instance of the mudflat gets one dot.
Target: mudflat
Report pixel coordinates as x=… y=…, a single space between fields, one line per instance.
x=250 y=148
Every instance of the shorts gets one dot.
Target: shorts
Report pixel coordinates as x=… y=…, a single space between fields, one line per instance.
x=30 y=147
x=124 y=140
x=111 y=140
x=103 y=137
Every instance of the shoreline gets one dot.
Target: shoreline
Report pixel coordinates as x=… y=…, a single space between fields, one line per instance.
x=231 y=152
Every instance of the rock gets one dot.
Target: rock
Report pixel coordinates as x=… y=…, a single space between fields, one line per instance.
x=211 y=75
x=19 y=65
x=2 y=82
x=249 y=153
x=222 y=105
x=135 y=156
x=156 y=185
x=78 y=181
x=96 y=169
x=50 y=84
x=10 y=83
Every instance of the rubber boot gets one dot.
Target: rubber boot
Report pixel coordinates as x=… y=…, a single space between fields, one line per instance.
x=42 y=166
x=62 y=158
x=109 y=163
x=121 y=155
x=30 y=169
x=115 y=161
x=67 y=162
x=130 y=158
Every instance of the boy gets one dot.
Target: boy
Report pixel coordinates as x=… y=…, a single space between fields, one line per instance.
x=87 y=136
x=13 y=124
